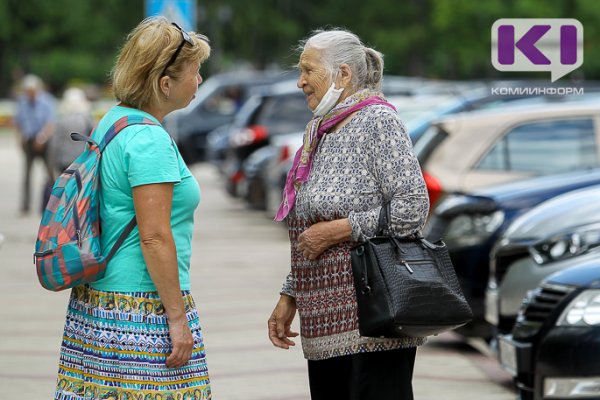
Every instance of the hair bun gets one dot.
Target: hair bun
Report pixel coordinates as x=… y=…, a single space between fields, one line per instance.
x=374 y=67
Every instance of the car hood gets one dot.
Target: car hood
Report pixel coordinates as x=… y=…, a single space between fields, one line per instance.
x=559 y=214
x=585 y=274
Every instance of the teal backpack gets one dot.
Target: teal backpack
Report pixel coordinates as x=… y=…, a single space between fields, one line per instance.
x=68 y=251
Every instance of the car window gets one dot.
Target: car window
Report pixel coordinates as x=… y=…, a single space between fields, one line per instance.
x=545 y=147
x=284 y=114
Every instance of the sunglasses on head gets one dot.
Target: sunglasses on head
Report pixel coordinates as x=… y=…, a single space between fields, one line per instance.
x=185 y=39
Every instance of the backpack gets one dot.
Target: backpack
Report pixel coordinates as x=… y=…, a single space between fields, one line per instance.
x=68 y=251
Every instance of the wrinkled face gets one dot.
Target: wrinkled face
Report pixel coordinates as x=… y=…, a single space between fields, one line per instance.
x=184 y=89
x=314 y=79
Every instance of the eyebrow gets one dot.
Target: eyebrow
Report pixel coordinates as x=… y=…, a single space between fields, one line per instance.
x=303 y=64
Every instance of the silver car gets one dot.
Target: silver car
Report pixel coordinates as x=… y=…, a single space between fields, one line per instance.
x=537 y=244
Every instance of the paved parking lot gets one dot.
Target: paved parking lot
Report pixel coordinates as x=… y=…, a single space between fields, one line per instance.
x=239 y=262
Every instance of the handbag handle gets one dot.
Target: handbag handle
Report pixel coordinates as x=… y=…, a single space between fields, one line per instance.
x=384 y=228
x=385 y=217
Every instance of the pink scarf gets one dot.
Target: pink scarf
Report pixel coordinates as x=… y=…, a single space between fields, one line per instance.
x=315 y=130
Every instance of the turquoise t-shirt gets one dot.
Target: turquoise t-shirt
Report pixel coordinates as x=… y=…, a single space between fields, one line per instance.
x=141 y=155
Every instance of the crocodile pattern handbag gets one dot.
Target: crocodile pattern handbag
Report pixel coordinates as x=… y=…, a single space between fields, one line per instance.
x=405 y=286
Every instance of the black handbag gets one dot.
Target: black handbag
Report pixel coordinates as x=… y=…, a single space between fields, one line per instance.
x=405 y=287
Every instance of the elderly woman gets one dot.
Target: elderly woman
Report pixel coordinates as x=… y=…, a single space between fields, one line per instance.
x=74 y=115
x=356 y=154
x=135 y=333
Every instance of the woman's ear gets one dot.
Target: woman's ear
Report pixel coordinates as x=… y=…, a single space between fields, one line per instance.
x=165 y=85
x=345 y=75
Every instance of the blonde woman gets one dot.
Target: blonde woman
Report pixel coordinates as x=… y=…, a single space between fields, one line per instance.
x=135 y=333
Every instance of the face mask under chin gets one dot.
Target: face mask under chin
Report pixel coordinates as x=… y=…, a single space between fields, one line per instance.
x=328 y=101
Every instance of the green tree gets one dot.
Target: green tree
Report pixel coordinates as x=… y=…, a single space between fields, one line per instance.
x=66 y=40
x=62 y=40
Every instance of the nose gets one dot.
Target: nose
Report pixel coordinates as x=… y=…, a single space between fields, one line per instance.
x=301 y=81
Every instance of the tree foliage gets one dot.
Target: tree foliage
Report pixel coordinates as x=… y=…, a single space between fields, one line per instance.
x=65 y=40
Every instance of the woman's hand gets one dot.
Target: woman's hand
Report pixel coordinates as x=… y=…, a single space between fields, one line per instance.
x=322 y=235
x=183 y=343
x=280 y=322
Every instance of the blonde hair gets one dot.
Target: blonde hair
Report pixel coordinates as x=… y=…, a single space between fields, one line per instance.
x=149 y=47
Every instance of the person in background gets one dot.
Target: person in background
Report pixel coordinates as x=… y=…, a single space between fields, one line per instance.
x=135 y=333
x=74 y=115
x=356 y=155
x=34 y=120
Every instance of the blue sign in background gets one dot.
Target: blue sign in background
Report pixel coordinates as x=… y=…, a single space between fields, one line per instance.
x=183 y=12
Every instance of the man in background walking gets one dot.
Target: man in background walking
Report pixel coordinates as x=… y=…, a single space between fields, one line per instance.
x=34 y=120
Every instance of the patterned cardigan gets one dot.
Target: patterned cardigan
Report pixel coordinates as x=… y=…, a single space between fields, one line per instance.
x=353 y=169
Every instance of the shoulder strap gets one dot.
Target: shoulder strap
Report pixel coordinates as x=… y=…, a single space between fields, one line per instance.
x=121 y=124
x=114 y=129
x=121 y=238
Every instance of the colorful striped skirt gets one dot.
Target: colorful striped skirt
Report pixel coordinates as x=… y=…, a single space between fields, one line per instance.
x=115 y=346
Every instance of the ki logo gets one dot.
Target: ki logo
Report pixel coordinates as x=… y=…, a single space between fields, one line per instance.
x=537 y=44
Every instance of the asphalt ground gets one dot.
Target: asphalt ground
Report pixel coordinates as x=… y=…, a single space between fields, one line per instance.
x=240 y=258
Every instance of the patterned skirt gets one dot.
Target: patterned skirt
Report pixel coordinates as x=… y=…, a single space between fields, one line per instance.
x=115 y=346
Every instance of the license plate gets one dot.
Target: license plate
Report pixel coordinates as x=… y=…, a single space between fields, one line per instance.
x=508 y=356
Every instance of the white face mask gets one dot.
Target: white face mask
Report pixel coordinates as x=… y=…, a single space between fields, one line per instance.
x=328 y=101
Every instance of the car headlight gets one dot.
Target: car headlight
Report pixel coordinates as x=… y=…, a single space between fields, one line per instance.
x=583 y=310
x=566 y=245
x=472 y=229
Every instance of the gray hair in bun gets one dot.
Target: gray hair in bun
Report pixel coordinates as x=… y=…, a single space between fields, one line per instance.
x=338 y=47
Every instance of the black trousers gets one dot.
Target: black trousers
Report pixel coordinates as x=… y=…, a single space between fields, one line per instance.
x=380 y=375
x=30 y=155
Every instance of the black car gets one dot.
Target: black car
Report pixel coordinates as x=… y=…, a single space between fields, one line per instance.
x=471 y=224
x=554 y=349
x=217 y=102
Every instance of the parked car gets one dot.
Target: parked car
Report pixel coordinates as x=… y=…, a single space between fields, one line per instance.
x=554 y=347
x=274 y=173
x=471 y=224
x=266 y=169
x=468 y=151
x=278 y=111
x=216 y=103
x=537 y=244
